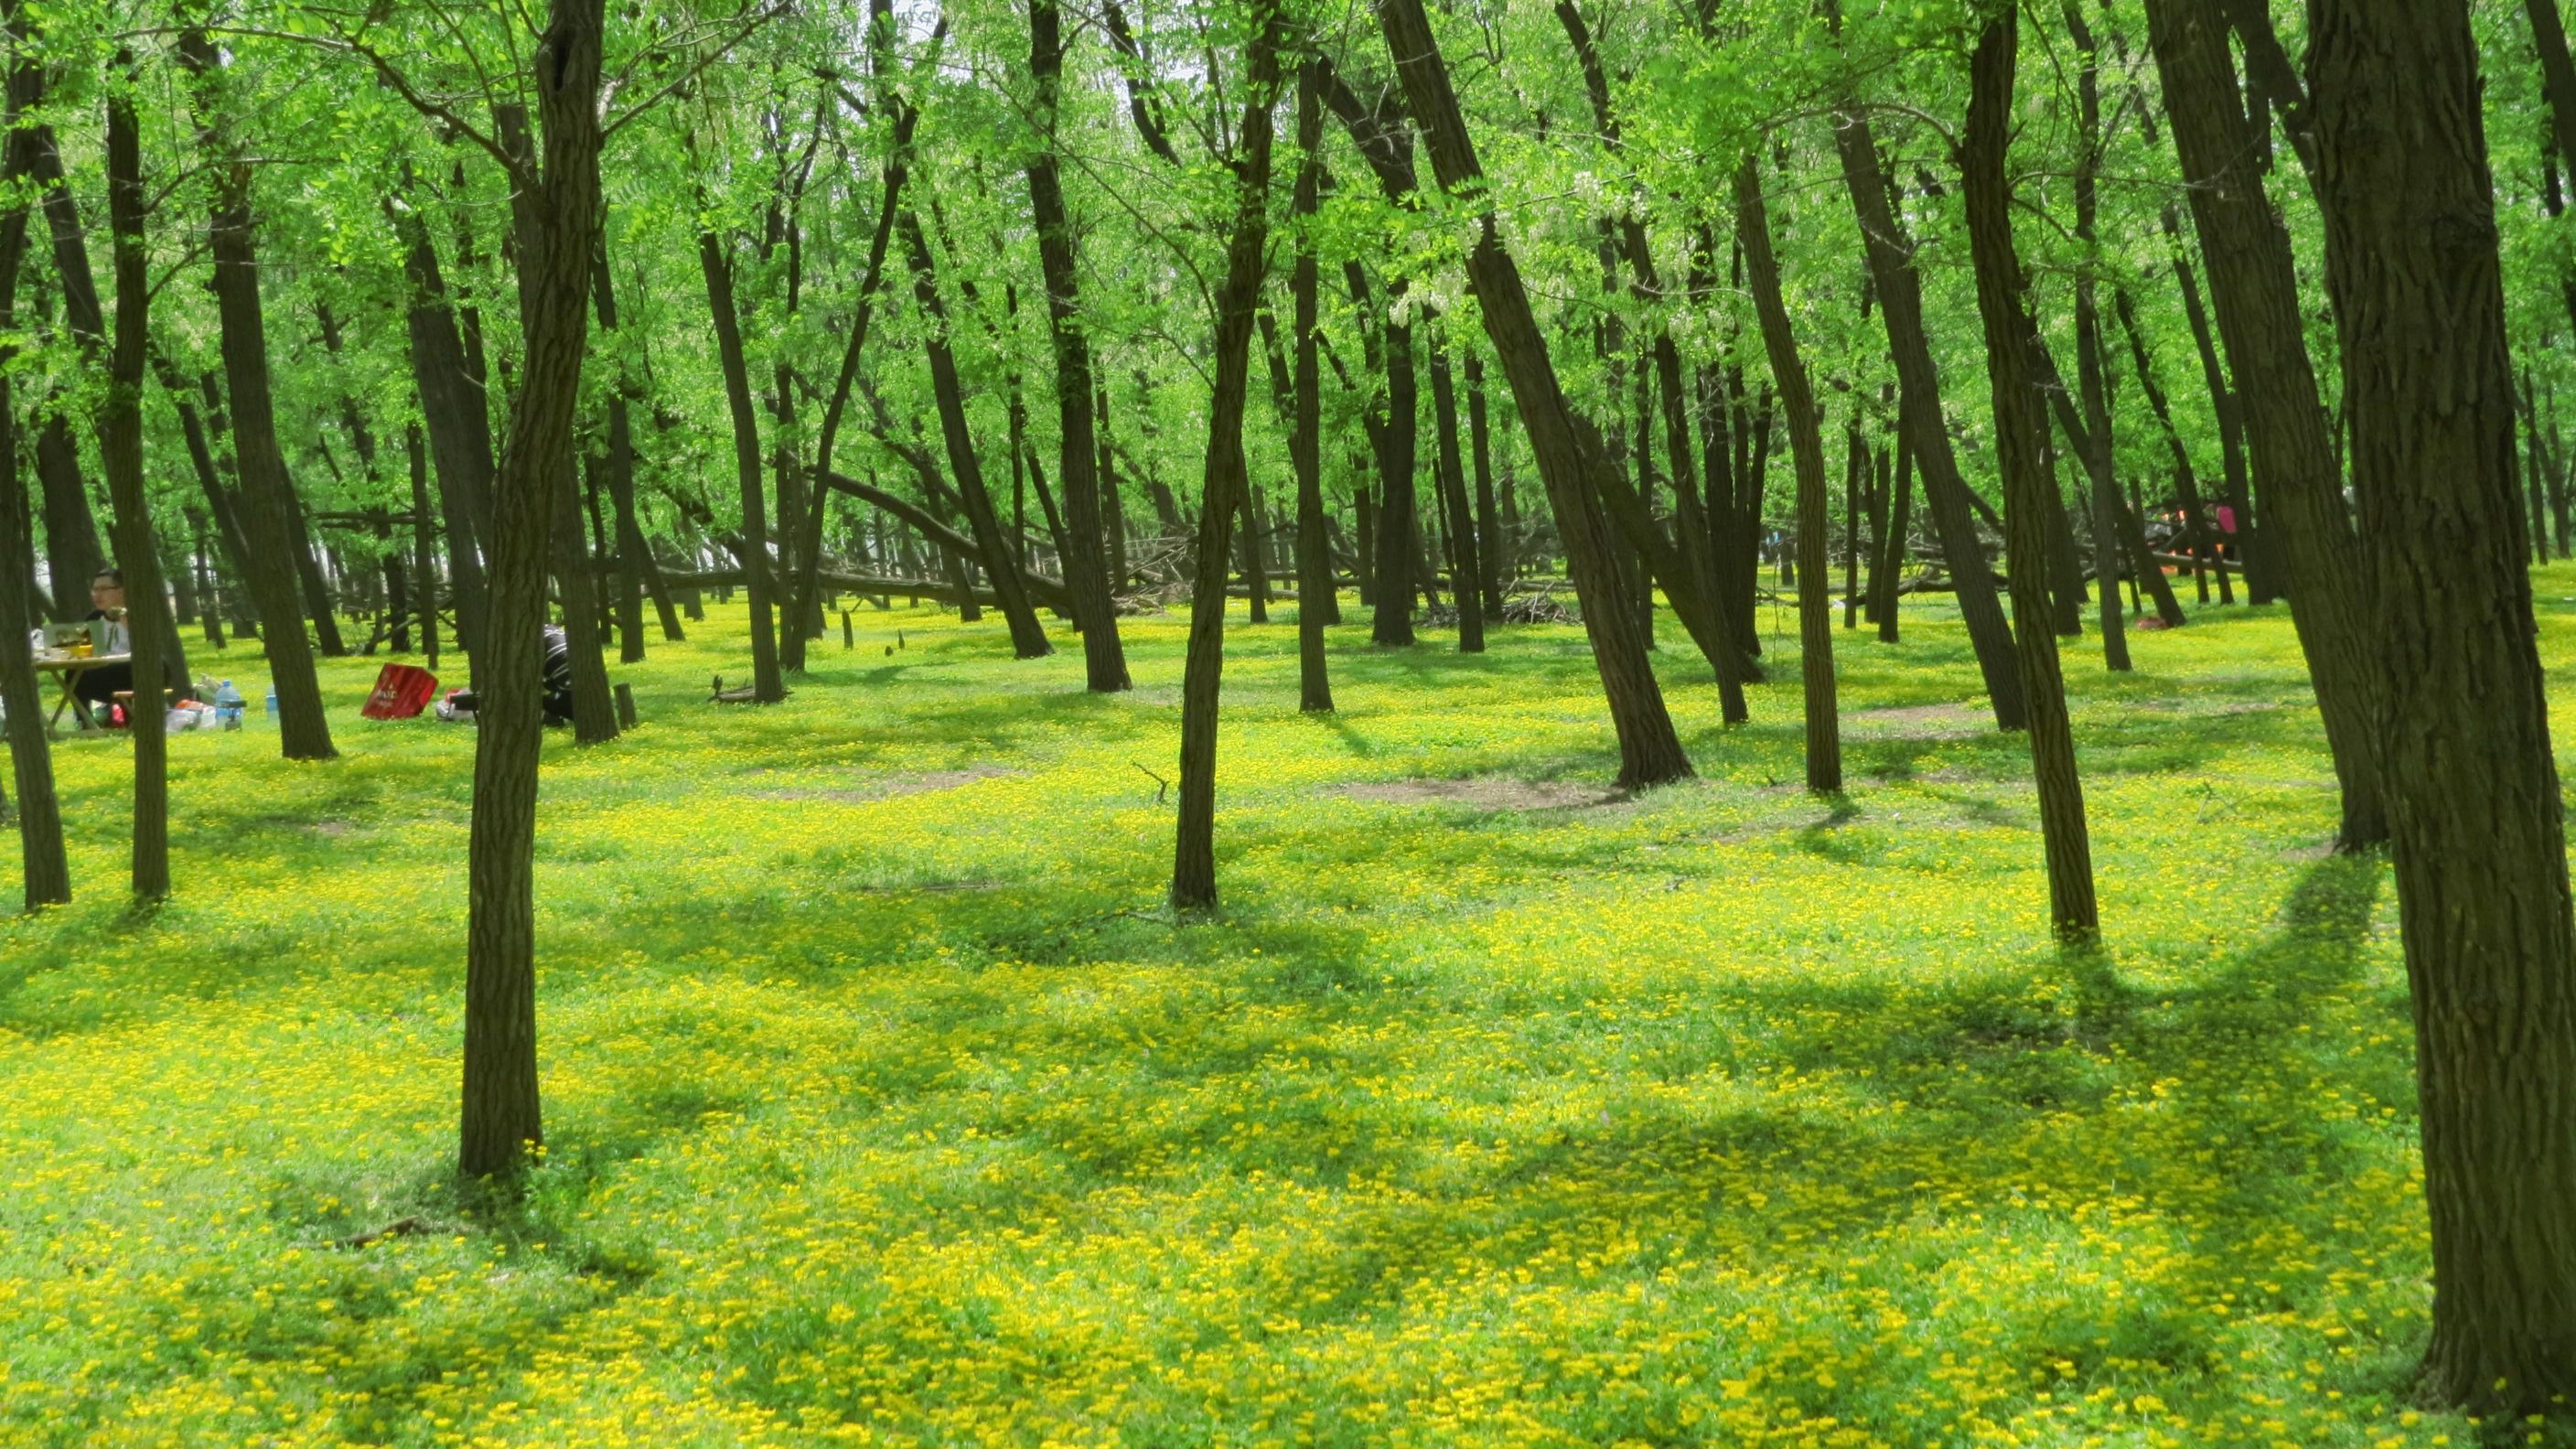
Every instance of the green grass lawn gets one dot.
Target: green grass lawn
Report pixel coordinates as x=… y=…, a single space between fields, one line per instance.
x=886 y=1103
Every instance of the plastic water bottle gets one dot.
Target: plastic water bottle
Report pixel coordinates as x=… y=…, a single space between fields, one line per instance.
x=228 y=705
x=272 y=701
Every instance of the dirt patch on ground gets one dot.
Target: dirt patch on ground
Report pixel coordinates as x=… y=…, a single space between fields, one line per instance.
x=1922 y=721
x=888 y=787
x=1487 y=792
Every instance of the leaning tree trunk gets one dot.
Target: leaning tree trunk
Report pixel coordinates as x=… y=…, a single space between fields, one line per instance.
x=1807 y=450
x=1194 y=851
x=2255 y=289
x=1900 y=304
x=500 y=1117
x=2477 y=828
x=265 y=507
x=2021 y=426
x=1001 y=560
x=1650 y=752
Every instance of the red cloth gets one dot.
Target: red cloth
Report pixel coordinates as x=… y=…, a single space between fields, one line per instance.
x=2226 y=519
x=401 y=692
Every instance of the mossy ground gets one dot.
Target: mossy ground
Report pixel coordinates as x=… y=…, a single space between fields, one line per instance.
x=885 y=1103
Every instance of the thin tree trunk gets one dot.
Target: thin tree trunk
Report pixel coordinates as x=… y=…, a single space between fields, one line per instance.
x=1085 y=574
x=1314 y=555
x=2477 y=824
x=1466 y=569
x=424 y=544
x=1807 y=450
x=266 y=508
x=717 y=267
x=44 y=870
x=459 y=428
x=1493 y=545
x=2201 y=536
x=2021 y=426
x=120 y=452
x=1194 y=851
x=2261 y=584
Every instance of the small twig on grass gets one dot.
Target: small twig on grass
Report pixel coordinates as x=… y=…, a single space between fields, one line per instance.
x=398 y=1228
x=1162 y=787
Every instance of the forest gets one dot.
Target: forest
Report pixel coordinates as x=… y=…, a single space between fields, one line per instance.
x=1177 y=722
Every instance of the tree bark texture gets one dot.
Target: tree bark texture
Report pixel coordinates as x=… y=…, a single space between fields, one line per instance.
x=1650 y=752
x=1086 y=573
x=500 y=1117
x=1899 y=289
x=2255 y=294
x=266 y=506
x=1194 y=849
x=2021 y=425
x=1807 y=453
x=2476 y=823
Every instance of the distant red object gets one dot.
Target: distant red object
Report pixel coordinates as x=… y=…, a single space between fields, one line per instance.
x=401 y=692
x=2226 y=519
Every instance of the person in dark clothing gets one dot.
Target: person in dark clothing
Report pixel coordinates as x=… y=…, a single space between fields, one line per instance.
x=555 y=684
x=98 y=688
x=558 y=677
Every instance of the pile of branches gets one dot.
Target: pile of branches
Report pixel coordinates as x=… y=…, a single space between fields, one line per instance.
x=1548 y=601
x=1158 y=574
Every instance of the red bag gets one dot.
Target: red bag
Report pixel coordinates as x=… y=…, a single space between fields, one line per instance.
x=401 y=692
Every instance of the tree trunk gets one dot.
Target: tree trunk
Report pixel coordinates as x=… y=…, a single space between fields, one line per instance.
x=2021 y=426
x=1807 y=450
x=266 y=507
x=717 y=267
x=1314 y=556
x=44 y=870
x=2197 y=530
x=120 y=453
x=1650 y=752
x=459 y=428
x=809 y=551
x=1900 y=305
x=424 y=544
x=1466 y=569
x=594 y=708
x=72 y=552
x=1892 y=549
x=500 y=1118
x=2255 y=291
x=1077 y=456
x=2261 y=584
x=1028 y=636
x=1194 y=852
x=2476 y=822
x=1493 y=545
x=638 y=575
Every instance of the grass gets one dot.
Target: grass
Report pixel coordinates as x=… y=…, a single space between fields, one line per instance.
x=887 y=1105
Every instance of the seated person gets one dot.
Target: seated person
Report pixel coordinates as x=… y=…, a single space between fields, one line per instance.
x=97 y=688
x=555 y=683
